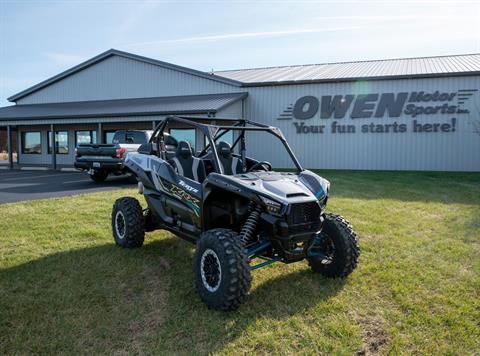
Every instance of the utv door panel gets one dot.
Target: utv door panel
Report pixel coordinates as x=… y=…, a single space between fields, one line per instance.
x=180 y=200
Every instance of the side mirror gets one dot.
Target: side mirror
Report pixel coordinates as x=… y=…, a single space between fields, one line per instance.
x=147 y=149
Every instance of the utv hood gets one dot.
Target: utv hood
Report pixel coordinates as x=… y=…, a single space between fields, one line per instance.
x=284 y=187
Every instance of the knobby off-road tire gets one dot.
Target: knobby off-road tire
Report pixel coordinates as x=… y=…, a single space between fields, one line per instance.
x=99 y=176
x=222 y=273
x=128 y=223
x=340 y=236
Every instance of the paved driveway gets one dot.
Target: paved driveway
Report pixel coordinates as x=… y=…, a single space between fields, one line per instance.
x=30 y=185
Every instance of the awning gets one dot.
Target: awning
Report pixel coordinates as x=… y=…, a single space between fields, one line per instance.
x=190 y=104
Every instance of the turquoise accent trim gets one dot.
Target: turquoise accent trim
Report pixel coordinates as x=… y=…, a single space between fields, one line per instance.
x=320 y=193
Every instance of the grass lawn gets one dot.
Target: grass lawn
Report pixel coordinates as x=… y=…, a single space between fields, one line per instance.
x=65 y=288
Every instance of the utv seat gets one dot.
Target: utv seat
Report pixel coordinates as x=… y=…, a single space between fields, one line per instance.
x=186 y=164
x=231 y=164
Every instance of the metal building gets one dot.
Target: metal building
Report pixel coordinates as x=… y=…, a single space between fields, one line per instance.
x=401 y=114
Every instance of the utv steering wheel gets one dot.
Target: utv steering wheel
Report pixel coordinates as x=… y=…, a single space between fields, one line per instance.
x=266 y=166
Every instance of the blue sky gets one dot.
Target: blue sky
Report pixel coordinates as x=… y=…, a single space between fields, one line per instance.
x=39 y=39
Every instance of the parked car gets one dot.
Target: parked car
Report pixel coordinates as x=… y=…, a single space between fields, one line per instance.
x=100 y=160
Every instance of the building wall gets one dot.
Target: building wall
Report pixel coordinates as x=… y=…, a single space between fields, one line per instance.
x=45 y=158
x=454 y=147
x=121 y=78
x=455 y=150
x=108 y=124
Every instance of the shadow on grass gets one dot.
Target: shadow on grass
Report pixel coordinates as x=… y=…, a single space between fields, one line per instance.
x=106 y=299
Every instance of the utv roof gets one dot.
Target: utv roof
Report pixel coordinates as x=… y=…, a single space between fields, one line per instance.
x=235 y=123
x=211 y=129
x=238 y=124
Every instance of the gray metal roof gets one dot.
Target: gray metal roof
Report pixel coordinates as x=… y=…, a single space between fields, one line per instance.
x=468 y=64
x=455 y=65
x=192 y=104
x=115 y=52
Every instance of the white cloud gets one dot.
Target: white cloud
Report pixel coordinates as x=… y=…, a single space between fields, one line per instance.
x=243 y=35
x=134 y=17
x=65 y=59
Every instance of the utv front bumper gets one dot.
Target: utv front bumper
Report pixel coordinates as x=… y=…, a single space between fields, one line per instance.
x=290 y=233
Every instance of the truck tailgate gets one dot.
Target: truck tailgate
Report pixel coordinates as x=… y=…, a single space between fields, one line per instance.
x=95 y=151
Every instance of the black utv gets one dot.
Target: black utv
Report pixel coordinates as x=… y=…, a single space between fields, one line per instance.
x=234 y=208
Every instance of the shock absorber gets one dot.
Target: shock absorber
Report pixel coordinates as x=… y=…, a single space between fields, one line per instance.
x=248 y=228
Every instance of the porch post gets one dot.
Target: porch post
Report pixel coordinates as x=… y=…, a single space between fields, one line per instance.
x=10 y=146
x=99 y=133
x=54 y=147
x=154 y=124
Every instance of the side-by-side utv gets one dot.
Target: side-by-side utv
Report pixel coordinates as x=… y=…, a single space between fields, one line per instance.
x=233 y=207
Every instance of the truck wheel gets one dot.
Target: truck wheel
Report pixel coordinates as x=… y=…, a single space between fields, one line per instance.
x=222 y=273
x=339 y=242
x=128 y=225
x=99 y=176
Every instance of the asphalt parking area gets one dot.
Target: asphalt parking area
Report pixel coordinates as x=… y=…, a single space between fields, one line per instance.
x=16 y=185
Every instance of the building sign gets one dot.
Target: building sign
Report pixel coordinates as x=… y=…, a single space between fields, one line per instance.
x=376 y=106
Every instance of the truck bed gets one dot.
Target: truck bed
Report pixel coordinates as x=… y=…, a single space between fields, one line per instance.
x=98 y=156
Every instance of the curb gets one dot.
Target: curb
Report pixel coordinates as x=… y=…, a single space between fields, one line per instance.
x=34 y=169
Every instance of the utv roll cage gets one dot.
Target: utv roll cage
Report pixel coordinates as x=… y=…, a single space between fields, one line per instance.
x=214 y=132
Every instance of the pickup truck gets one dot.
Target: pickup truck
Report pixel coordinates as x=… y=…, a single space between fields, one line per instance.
x=100 y=160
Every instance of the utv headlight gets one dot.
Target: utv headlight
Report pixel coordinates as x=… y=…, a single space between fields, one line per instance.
x=271 y=205
x=322 y=194
x=325 y=185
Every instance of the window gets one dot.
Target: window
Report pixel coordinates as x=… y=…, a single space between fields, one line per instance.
x=119 y=136
x=130 y=137
x=31 y=143
x=228 y=137
x=184 y=135
x=61 y=142
x=87 y=137
x=137 y=137
x=109 y=136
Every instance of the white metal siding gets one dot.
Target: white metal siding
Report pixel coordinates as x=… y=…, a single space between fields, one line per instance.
x=441 y=151
x=122 y=78
x=111 y=123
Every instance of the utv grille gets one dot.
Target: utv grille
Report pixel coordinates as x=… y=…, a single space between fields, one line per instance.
x=302 y=228
x=304 y=213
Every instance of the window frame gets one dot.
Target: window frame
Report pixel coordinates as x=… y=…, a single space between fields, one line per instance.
x=23 y=135
x=49 y=148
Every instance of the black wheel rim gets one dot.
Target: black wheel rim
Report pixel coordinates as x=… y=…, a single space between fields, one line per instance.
x=120 y=224
x=325 y=246
x=211 y=271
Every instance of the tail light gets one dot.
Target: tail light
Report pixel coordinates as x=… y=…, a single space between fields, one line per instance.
x=120 y=152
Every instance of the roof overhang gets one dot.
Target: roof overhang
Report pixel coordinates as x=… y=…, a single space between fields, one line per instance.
x=190 y=104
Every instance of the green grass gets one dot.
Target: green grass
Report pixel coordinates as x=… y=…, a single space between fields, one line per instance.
x=65 y=288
